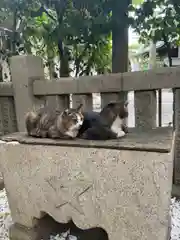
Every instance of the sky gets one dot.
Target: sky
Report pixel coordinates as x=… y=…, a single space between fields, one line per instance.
x=133 y=37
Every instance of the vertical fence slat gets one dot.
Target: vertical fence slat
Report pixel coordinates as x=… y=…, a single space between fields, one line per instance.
x=51 y=101
x=1 y=117
x=8 y=113
x=8 y=123
x=12 y=125
x=145 y=109
x=177 y=137
x=146 y=101
x=174 y=108
x=160 y=107
x=63 y=102
x=85 y=99
x=108 y=97
x=24 y=70
x=57 y=102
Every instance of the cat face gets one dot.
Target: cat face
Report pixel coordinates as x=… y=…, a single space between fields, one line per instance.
x=122 y=109
x=116 y=114
x=114 y=109
x=72 y=119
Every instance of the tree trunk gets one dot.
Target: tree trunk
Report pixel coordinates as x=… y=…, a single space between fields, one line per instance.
x=64 y=67
x=120 y=38
x=14 y=40
x=1 y=73
x=64 y=60
x=60 y=7
x=51 y=65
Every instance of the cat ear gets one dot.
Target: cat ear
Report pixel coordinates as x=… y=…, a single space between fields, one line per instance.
x=126 y=103
x=110 y=104
x=121 y=103
x=80 y=108
x=65 y=112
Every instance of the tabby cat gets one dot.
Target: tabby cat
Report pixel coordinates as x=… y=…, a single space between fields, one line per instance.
x=48 y=123
x=110 y=123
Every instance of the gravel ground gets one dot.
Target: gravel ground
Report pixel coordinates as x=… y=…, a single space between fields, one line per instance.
x=175 y=221
x=5 y=216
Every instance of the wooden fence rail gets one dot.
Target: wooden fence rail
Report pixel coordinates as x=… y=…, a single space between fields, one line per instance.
x=29 y=89
x=131 y=81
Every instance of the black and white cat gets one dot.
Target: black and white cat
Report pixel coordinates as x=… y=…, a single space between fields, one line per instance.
x=110 y=123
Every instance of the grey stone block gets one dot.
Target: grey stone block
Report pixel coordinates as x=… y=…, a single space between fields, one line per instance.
x=125 y=190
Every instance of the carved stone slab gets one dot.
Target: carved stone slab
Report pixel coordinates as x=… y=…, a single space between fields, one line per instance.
x=126 y=192
x=158 y=139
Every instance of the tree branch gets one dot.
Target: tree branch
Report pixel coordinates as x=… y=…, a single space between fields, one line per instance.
x=49 y=15
x=78 y=59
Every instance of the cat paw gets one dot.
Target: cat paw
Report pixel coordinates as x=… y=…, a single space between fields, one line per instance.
x=120 y=134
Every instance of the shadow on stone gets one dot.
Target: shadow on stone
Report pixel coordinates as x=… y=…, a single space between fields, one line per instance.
x=47 y=226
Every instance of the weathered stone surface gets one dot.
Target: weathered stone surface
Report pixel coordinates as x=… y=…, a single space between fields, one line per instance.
x=18 y=232
x=158 y=140
x=1 y=182
x=145 y=109
x=125 y=192
x=22 y=79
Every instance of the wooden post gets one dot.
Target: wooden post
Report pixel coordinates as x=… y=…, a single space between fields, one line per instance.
x=85 y=99
x=108 y=97
x=145 y=109
x=8 y=122
x=24 y=70
x=59 y=102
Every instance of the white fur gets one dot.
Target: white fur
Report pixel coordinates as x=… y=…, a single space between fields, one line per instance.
x=72 y=133
x=80 y=121
x=73 y=130
x=125 y=121
x=117 y=127
x=13 y=142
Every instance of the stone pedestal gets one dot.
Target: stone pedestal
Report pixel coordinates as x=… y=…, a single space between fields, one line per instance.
x=123 y=186
x=18 y=232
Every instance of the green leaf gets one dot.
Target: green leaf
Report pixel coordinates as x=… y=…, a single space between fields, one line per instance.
x=137 y=2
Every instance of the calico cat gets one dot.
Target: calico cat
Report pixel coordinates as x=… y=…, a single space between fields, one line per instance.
x=48 y=123
x=110 y=123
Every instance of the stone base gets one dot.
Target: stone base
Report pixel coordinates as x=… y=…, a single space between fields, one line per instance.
x=122 y=186
x=169 y=228
x=47 y=227
x=1 y=183
x=18 y=232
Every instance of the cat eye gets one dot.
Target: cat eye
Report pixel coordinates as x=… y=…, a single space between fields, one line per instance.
x=75 y=120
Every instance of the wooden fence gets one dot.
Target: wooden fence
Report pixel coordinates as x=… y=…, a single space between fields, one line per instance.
x=29 y=89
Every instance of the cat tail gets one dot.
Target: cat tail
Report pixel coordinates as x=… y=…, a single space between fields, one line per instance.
x=31 y=120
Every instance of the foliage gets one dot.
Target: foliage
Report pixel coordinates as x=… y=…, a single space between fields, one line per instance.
x=81 y=29
x=137 y=2
x=156 y=20
x=76 y=33
x=49 y=28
